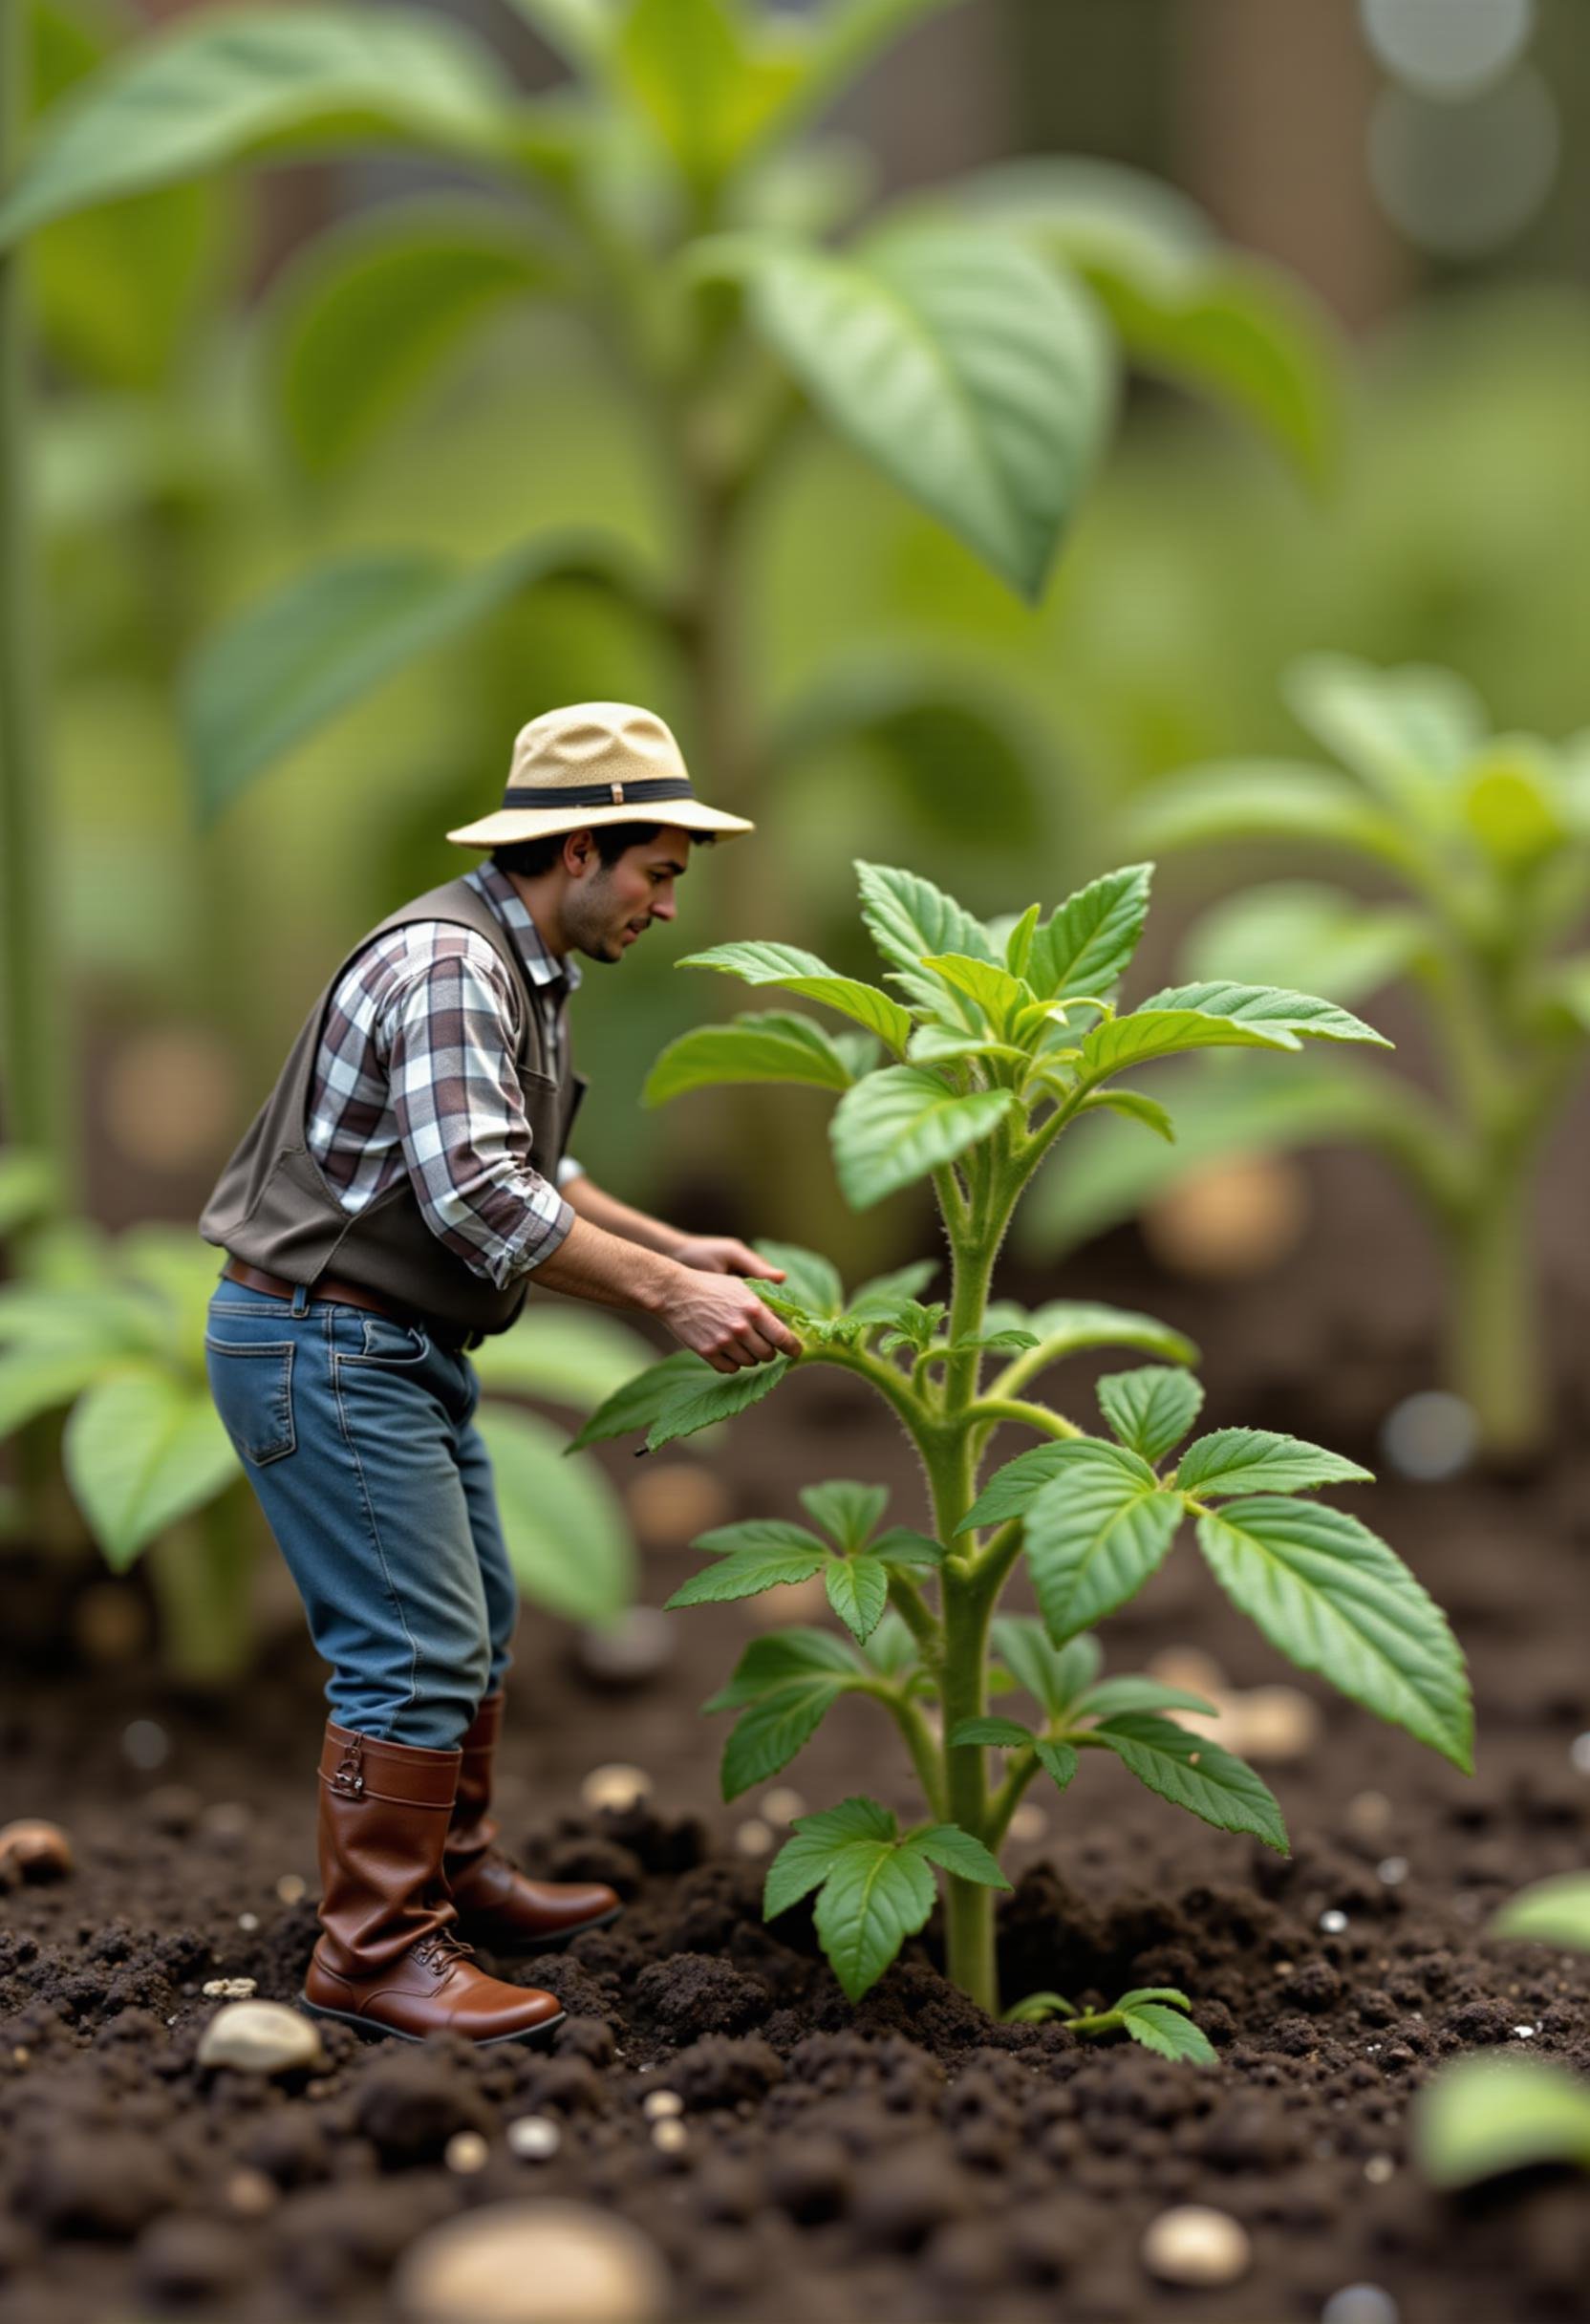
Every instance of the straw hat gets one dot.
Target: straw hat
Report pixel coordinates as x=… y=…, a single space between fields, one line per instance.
x=595 y=763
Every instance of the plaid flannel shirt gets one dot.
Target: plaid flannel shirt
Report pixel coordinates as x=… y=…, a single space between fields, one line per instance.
x=416 y=1072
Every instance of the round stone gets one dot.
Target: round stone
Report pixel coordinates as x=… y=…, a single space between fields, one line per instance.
x=1379 y=2170
x=1359 y=2304
x=1233 y=1218
x=1028 y=1822
x=616 y=1786
x=1195 y=2245
x=658 y=2105
x=533 y=2263
x=467 y=2152
x=292 y=1889
x=670 y=2138
x=229 y=1988
x=260 y=2037
x=1270 y=1723
x=782 y=1804
x=1370 y=1815
x=38 y=1851
x=674 y=1501
x=250 y=2193
x=754 y=1837
x=628 y=1651
x=144 y=1745
x=534 y=2137
x=1392 y=1870
x=1334 y=1922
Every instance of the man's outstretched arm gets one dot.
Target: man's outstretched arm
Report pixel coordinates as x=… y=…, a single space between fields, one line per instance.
x=710 y=1253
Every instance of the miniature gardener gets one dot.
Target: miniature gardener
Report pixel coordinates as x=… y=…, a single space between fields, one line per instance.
x=385 y=1210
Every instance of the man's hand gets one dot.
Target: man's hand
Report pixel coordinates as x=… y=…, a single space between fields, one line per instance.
x=719 y=1316
x=724 y=1254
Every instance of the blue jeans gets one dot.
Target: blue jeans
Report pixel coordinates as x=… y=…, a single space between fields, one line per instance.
x=357 y=1435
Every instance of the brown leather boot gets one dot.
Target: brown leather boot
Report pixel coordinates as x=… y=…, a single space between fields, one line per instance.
x=387 y=1960
x=498 y=1904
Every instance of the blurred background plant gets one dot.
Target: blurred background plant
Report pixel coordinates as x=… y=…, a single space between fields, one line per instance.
x=487 y=382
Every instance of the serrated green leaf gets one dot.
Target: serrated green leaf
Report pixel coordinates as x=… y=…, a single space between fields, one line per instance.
x=858 y=1591
x=1552 y=1912
x=720 y=1397
x=1196 y=1775
x=803 y=973
x=1121 y=1043
x=908 y=917
x=1018 y=941
x=1268 y=1009
x=899 y=1124
x=1095 y=1532
x=1011 y=1491
x=875 y=1896
x=760 y=1536
x=957 y=1851
x=771 y=1730
x=639 y=1401
x=1166 y=2032
x=749 y=1574
x=1088 y=942
x=803 y=1864
x=1005 y=1734
x=771 y=1662
x=903 y=1545
x=848 y=1511
x=1482 y=2116
x=1150 y=1409
x=778 y=1045
x=1334 y=1599
x=810 y=1279
x=1059 y=1760
x=1256 y=1460
x=1130 y=1692
x=995 y=990
x=1055 y=1675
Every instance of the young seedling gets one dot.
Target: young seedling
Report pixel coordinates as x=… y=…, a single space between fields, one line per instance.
x=1153 y=2014
x=1485 y=840
x=1005 y=1035
x=1483 y=2116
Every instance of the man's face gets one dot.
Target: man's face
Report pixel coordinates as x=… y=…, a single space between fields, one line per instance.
x=612 y=905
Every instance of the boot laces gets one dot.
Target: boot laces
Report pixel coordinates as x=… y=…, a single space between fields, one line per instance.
x=440 y=1951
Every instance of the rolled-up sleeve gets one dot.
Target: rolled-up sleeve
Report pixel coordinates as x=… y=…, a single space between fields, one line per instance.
x=445 y=1035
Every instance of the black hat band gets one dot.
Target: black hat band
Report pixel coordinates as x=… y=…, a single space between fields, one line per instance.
x=598 y=794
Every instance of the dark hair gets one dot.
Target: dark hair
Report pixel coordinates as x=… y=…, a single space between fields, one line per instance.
x=529 y=857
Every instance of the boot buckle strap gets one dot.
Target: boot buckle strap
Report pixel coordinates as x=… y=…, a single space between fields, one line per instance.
x=348 y=1782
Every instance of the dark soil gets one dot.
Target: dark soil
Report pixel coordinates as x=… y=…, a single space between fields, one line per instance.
x=909 y=2159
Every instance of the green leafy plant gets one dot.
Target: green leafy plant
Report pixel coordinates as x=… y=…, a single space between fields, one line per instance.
x=1157 y=2015
x=1004 y=1036
x=1482 y=2116
x=1485 y=842
x=111 y=1333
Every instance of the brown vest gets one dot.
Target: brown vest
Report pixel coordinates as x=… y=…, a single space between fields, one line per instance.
x=273 y=1205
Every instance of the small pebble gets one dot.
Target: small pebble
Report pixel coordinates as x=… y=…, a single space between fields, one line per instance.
x=20 y=2057
x=292 y=1889
x=533 y=2263
x=626 y=1652
x=1229 y=1220
x=1379 y=2170
x=226 y=1823
x=782 y=1804
x=1578 y=1752
x=1270 y=1723
x=230 y=1989
x=249 y=1922
x=1334 y=1922
x=754 y=1837
x=467 y=2152
x=616 y=1786
x=1369 y=1814
x=252 y=2193
x=1359 y=2304
x=674 y=1501
x=534 y=2137
x=1526 y=2033
x=1194 y=2245
x=669 y=2137
x=1392 y=1870
x=1028 y=1822
x=39 y=1851
x=1430 y=1436
x=144 y=1745
x=659 y=2104
x=260 y=2037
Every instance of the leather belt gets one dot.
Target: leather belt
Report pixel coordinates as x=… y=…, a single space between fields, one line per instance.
x=346 y=1293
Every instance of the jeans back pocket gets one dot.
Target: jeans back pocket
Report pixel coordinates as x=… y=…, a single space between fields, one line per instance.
x=251 y=1386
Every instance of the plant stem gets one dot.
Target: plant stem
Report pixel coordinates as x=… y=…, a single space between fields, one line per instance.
x=40 y=1093
x=1495 y=1360
x=202 y=1572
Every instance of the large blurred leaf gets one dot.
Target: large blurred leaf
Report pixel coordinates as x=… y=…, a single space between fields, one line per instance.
x=1405 y=732
x=1482 y=2116
x=957 y=364
x=568 y=1540
x=283 y=666
x=372 y=309
x=1265 y=798
x=140 y=1451
x=221 y=86
x=1229 y=328
x=1314 y=938
x=710 y=77
x=581 y=31
x=565 y=1353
